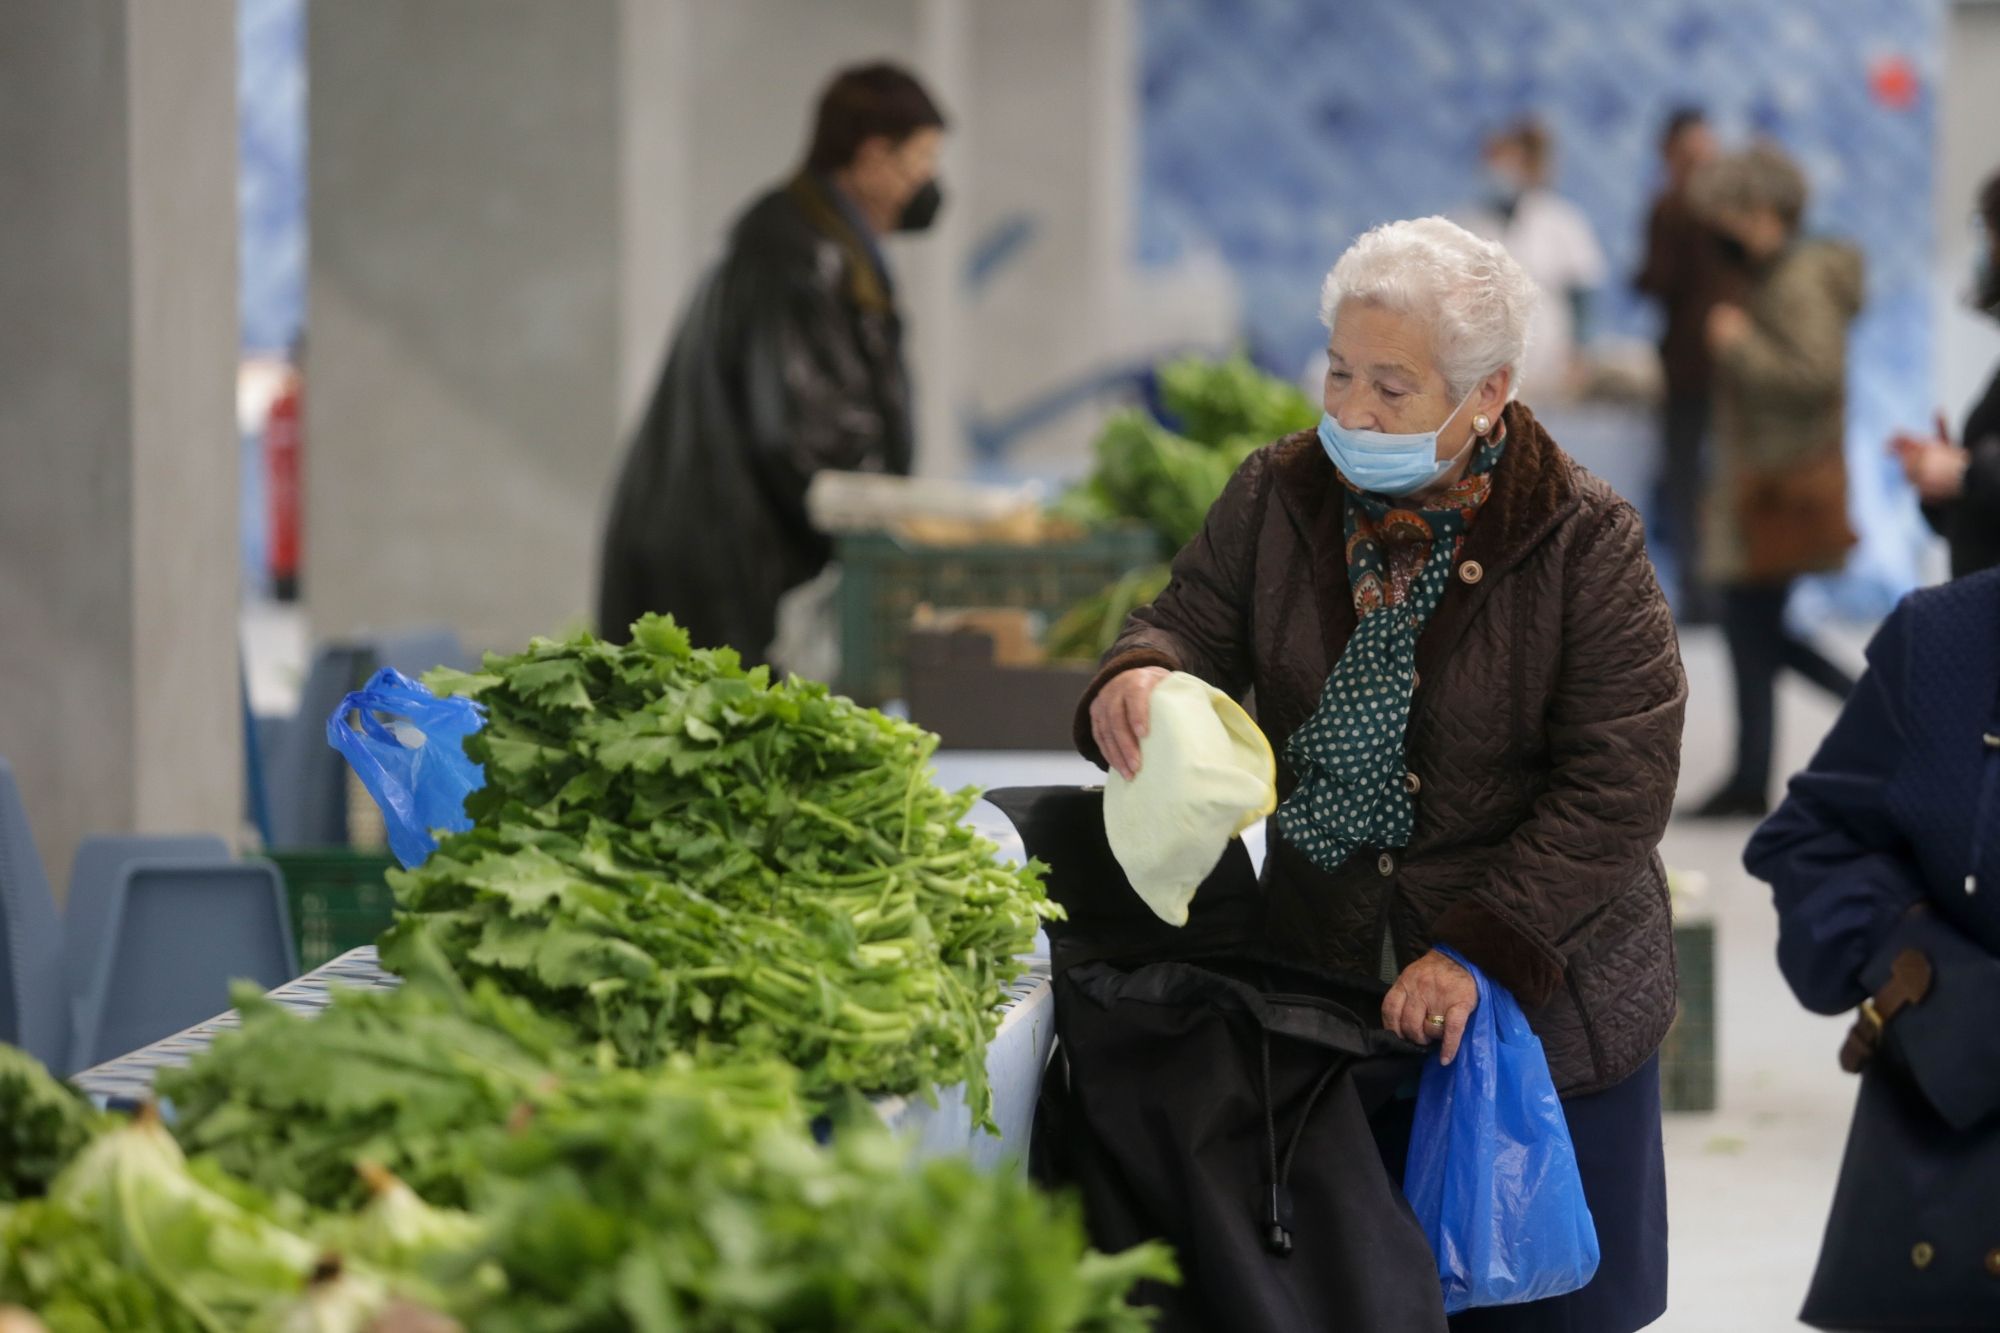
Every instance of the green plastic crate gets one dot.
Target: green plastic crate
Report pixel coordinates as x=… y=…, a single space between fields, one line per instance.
x=883 y=581
x=339 y=899
x=1688 y=1059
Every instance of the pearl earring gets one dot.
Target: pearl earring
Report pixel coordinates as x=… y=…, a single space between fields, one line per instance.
x=1481 y=424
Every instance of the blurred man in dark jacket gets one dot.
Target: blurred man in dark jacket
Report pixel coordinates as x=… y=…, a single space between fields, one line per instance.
x=788 y=361
x=1959 y=481
x=1684 y=272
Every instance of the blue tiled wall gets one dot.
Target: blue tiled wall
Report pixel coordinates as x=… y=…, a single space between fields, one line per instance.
x=1278 y=130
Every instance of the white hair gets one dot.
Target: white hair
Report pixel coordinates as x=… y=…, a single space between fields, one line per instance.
x=1473 y=294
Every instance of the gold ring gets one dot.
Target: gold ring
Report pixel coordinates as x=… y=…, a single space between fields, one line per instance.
x=1435 y=1020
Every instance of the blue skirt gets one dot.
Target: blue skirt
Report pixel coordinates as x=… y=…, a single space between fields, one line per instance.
x=1622 y=1162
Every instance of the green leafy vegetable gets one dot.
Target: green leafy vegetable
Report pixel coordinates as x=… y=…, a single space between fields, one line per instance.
x=674 y=854
x=669 y=1206
x=1220 y=403
x=43 y=1124
x=1092 y=626
x=1226 y=411
x=190 y=1250
x=402 y=1079
x=674 y=1197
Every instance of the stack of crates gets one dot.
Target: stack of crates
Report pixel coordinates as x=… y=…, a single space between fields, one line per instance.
x=339 y=899
x=1687 y=1060
x=884 y=580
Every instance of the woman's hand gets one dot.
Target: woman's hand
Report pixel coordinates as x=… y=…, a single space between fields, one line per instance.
x=1934 y=466
x=1431 y=986
x=1121 y=714
x=1727 y=326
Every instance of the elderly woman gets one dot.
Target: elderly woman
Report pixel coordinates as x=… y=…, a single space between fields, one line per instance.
x=1458 y=647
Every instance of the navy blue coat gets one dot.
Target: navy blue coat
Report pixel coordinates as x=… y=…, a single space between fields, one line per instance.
x=1902 y=803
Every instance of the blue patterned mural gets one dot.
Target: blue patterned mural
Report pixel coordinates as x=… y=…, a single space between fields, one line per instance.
x=271 y=199
x=1277 y=130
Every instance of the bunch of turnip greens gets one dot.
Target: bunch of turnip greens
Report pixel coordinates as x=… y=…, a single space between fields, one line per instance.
x=672 y=853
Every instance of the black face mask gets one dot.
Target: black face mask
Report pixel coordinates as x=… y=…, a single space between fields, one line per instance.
x=922 y=210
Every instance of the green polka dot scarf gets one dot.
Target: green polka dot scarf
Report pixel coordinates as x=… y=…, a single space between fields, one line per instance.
x=1349 y=756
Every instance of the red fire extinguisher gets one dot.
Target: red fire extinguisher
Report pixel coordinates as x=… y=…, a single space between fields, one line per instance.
x=281 y=465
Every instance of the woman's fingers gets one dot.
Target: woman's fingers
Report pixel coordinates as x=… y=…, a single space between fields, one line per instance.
x=1392 y=1010
x=1455 y=1019
x=1139 y=708
x=1109 y=741
x=1107 y=724
x=1403 y=1013
x=1132 y=728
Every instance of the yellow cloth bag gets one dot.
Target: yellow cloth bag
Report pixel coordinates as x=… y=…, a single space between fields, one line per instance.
x=1206 y=773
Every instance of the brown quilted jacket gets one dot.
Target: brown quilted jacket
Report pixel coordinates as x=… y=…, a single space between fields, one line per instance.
x=1544 y=737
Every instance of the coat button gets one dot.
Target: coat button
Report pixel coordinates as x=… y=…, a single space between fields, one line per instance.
x=1412 y=783
x=1386 y=864
x=1993 y=1263
x=1921 y=1255
x=1472 y=571
x=1971 y=885
x=1992 y=740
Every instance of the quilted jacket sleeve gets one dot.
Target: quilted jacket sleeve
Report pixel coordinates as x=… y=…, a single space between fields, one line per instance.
x=1201 y=623
x=1840 y=870
x=1614 y=737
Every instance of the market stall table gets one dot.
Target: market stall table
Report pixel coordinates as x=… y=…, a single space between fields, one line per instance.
x=1014 y=1061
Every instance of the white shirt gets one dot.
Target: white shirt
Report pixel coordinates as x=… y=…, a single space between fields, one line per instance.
x=1552 y=239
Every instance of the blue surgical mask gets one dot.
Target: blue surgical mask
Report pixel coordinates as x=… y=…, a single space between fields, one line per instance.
x=1389 y=464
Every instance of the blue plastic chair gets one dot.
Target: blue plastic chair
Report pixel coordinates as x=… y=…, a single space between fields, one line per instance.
x=178 y=934
x=32 y=999
x=94 y=880
x=305 y=779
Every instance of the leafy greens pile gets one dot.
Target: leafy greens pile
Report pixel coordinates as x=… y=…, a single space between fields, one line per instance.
x=594 y=1197
x=674 y=854
x=404 y=1079
x=1168 y=479
x=43 y=1123
x=1167 y=475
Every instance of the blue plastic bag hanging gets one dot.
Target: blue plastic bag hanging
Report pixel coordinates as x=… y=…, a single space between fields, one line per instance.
x=1492 y=1172
x=416 y=769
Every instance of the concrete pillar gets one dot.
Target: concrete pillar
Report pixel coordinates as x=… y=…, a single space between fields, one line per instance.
x=118 y=573
x=509 y=200
x=1049 y=304
x=463 y=349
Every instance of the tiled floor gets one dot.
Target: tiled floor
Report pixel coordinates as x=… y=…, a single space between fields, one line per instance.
x=1749 y=1185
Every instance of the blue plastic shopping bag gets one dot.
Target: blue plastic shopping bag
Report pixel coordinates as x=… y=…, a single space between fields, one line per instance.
x=1492 y=1173
x=416 y=769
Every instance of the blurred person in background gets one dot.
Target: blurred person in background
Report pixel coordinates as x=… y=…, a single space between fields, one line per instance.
x=1684 y=272
x=1959 y=482
x=1462 y=657
x=788 y=361
x=1549 y=237
x=1777 y=501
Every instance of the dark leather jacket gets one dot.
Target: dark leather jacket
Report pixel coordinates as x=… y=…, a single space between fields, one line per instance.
x=788 y=360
